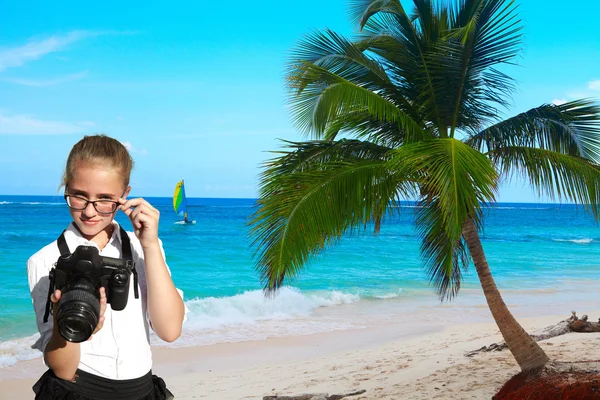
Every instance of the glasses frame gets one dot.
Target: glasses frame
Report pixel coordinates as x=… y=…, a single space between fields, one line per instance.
x=87 y=202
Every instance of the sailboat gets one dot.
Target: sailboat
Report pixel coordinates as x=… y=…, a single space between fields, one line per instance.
x=180 y=203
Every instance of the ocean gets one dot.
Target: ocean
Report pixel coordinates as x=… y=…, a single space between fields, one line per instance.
x=539 y=254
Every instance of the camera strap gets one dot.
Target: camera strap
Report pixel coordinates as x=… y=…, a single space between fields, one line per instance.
x=126 y=249
x=65 y=252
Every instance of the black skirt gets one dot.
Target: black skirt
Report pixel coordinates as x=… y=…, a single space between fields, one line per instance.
x=87 y=386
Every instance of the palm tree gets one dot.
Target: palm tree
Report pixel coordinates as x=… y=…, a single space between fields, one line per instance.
x=409 y=110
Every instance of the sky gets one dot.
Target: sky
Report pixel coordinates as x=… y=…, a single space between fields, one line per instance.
x=195 y=90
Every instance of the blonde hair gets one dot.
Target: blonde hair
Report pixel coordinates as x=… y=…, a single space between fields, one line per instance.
x=99 y=150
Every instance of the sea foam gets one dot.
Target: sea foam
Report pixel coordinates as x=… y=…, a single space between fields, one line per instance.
x=20 y=349
x=577 y=241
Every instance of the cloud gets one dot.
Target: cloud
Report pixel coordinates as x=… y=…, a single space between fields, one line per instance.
x=132 y=149
x=17 y=56
x=36 y=49
x=47 y=82
x=594 y=85
x=29 y=125
x=591 y=91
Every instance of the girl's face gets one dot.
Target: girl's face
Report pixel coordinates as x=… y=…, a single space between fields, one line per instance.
x=95 y=182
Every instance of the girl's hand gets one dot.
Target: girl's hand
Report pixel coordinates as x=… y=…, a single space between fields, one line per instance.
x=55 y=297
x=144 y=219
x=102 y=310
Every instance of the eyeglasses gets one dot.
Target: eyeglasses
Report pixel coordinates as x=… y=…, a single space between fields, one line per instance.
x=102 y=206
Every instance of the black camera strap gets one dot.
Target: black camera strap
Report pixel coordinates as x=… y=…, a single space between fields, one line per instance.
x=65 y=252
x=126 y=249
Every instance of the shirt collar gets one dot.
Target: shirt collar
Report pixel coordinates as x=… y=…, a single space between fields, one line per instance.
x=74 y=238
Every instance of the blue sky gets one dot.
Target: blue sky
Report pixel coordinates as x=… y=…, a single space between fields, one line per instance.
x=196 y=89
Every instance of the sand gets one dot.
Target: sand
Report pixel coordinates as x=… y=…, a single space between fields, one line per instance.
x=394 y=361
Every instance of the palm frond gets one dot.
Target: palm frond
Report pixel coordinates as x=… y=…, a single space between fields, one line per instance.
x=493 y=27
x=322 y=97
x=454 y=181
x=362 y=11
x=406 y=63
x=489 y=35
x=444 y=255
x=572 y=128
x=342 y=57
x=299 y=157
x=362 y=126
x=301 y=213
x=556 y=175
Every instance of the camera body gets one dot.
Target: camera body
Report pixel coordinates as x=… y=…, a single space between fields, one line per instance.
x=79 y=277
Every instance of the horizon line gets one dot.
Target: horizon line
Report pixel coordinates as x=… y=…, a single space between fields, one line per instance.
x=256 y=198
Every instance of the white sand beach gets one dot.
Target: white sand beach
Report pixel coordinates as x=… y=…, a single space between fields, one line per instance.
x=401 y=360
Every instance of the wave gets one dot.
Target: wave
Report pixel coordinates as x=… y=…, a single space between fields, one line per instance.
x=385 y=296
x=535 y=238
x=252 y=316
x=251 y=306
x=20 y=349
x=577 y=241
x=516 y=208
x=246 y=316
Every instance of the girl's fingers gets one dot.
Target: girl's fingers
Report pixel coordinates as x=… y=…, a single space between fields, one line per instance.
x=143 y=209
x=136 y=218
x=143 y=220
x=98 y=327
x=55 y=297
x=124 y=207
x=143 y=215
x=132 y=208
x=135 y=203
x=102 y=311
x=127 y=211
x=102 y=301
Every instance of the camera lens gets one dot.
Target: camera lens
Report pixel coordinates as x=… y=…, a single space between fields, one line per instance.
x=78 y=311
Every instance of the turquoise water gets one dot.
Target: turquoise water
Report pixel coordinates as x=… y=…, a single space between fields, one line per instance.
x=546 y=249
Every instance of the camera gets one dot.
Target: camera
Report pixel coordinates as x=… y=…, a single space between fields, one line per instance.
x=79 y=277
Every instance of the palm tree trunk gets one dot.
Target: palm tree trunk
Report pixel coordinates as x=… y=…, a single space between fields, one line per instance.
x=524 y=348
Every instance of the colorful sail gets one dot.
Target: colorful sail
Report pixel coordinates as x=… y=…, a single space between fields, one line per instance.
x=179 y=201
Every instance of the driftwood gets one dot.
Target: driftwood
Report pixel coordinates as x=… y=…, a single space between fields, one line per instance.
x=571 y=324
x=315 y=396
x=583 y=325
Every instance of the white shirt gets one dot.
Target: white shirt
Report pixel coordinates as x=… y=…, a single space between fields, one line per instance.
x=121 y=349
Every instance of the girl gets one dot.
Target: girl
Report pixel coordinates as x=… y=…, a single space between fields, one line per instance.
x=116 y=362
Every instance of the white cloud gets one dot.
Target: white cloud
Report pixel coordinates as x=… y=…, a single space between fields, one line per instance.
x=17 y=56
x=47 y=82
x=583 y=92
x=36 y=49
x=132 y=149
x=29 y=125
x=594 y=85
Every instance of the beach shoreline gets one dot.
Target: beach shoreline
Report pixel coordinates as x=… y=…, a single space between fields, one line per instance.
x=405 y=360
